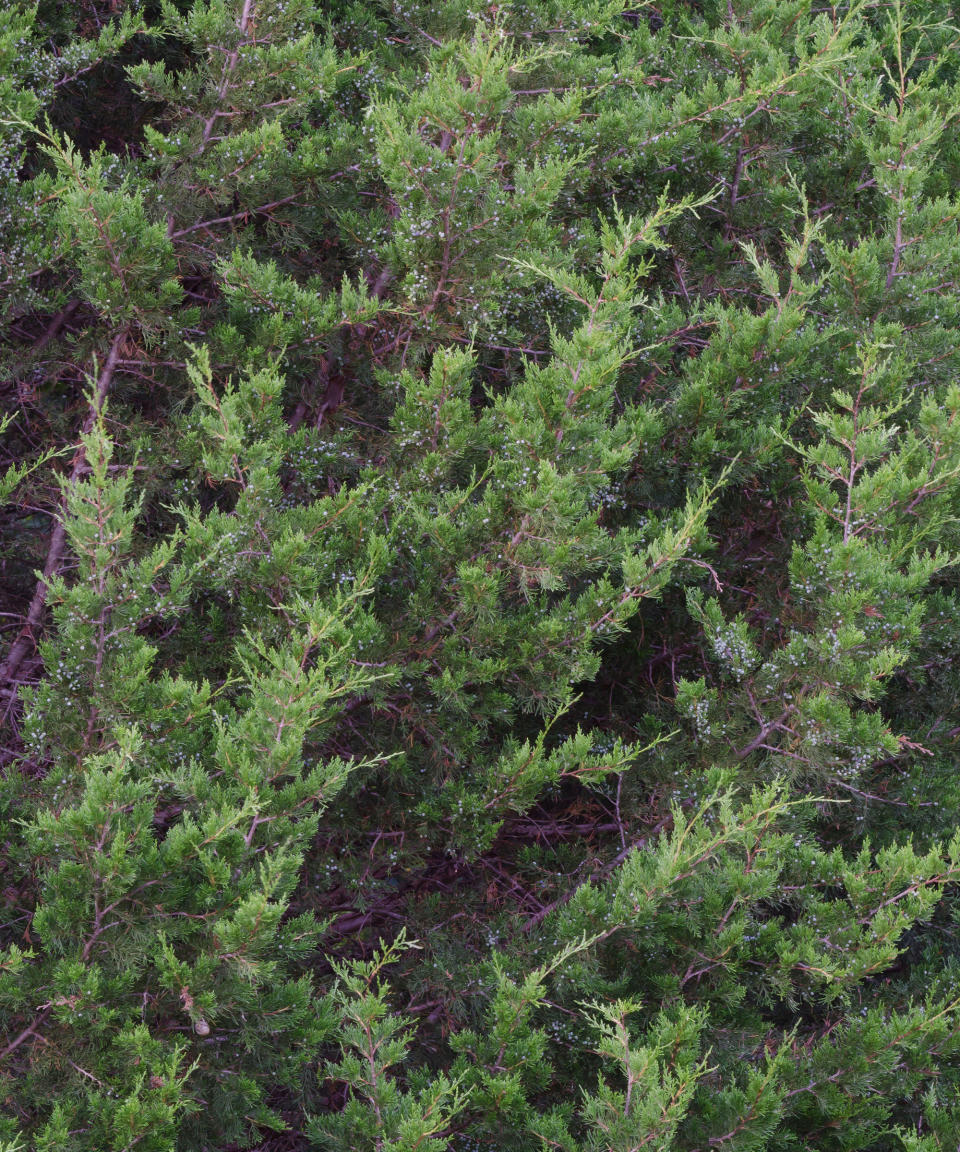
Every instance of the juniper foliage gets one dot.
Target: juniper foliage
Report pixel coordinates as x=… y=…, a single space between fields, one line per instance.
x=479 y=500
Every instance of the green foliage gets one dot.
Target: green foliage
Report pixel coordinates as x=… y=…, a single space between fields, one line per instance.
x=479 y=574
x=378 y=1114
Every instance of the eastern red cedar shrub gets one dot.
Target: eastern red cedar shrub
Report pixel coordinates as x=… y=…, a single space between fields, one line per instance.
x=479 y=576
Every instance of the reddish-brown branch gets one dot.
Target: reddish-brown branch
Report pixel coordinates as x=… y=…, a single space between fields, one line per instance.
x=244 y=216
x=29 y=1031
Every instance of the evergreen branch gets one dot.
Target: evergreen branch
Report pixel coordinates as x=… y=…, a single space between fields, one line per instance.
x=26 y=641
x=599 y=874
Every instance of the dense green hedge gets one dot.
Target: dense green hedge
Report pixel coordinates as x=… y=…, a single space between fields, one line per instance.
x=479 y=575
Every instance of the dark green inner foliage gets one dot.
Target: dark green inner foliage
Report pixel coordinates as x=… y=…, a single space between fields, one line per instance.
x=479 y=575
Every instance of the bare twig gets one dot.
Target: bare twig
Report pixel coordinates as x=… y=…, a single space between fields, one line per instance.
x=56 y=324
x=29 y=1031
x=244 y=216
